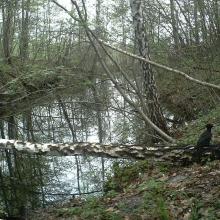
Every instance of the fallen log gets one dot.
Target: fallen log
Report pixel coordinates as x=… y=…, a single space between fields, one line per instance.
x=175 y=154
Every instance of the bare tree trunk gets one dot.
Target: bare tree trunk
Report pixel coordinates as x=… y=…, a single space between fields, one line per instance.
x=10 y=158
x=149 y=84
x=24 y=38
x=100 y=127
x=41 y=179
x=4 y=194
x=2 y=129
x=196 y=24
x=30 y=137
x=201 y=7
x=66 y=116
x=29 y=126
x=216 y=6
x=98 y=26
x=67 y=119
x=174 y=24
x=90 y=36
x=174 y=154
x=7 y=15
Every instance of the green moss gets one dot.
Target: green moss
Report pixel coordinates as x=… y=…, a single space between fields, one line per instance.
x=124 y=175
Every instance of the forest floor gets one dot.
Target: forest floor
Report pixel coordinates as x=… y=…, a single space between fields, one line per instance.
x=149 y=192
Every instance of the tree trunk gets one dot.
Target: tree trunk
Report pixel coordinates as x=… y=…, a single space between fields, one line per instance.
x=217 y=18
x=196 y=24
x=24 y=38
x=4 y=194
x=66 y=116
x=174 y=24
x=10 y=158
x=173 y=154
x=149 y=84
x=201 y=7
x=98 y=26
x=7 y=15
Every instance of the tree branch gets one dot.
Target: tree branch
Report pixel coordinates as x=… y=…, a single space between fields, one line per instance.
x=146 y=60
x=114 y=81
x=161 y=66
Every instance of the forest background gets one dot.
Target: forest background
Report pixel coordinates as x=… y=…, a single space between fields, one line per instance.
x=59 y=83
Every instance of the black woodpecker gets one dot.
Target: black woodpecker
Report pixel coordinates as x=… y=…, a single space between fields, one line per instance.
x=205 y=137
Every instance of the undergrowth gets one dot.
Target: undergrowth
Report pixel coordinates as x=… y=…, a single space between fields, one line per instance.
x=192 y=131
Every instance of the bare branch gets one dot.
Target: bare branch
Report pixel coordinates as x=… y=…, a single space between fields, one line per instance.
x=114 y=81
x=213 y=86
x=68 y=12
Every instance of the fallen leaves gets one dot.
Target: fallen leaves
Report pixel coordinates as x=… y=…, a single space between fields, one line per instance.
x=187 y=192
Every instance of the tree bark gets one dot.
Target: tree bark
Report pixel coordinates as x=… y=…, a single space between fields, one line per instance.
x=149 y=84
x=216 y=6
x=174 y=154
x=174 y=24
x=24 y=38
x=201 y=7
x=8 y=22
x=196 y=24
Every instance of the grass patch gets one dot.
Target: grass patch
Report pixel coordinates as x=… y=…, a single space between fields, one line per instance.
x=124 y=175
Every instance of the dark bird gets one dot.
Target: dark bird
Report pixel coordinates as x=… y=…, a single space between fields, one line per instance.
x=205 y=137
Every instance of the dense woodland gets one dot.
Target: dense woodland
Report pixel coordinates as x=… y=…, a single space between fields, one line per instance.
x=140 y=78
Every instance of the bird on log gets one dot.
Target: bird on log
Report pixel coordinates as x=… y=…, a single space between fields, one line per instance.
x=206 y=137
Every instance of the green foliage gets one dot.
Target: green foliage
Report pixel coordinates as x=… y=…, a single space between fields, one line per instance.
x=6 y=74
x=201 y=211
x=111 y=194
x=217 y=204
x=5 y=70
x=69 y=211
x=162 y=209
x=163 y=167
x=193 y=130
x=2 y=211
x=152 y=185
x=195 y=215
x=175 y=195
x=182 y=98
x=154 y=202
x=92 y=209
x=124 y=175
